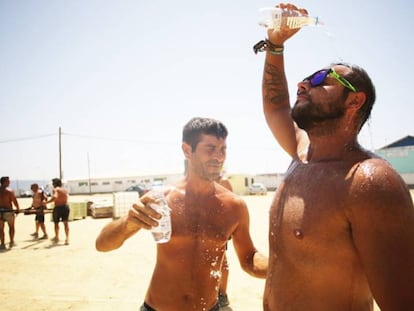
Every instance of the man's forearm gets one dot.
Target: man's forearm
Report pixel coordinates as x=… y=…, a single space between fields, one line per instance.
x=260 y=264
x=256 y=265
x=275 y=88
x=114 y=234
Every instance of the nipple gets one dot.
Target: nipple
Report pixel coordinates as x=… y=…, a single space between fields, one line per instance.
x=298 y=234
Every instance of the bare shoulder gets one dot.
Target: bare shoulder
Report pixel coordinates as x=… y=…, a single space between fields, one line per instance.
x=375 y=185
x=230 y=199
x=224 y=182
x=9 y=192
x=63 y=190
x=376 y=173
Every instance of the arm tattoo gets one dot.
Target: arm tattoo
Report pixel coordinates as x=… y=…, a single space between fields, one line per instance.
x=274 y=85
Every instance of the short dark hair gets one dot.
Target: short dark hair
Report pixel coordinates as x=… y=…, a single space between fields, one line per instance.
x=359 y=78
x=3 y=179
x=56 y=182
x=198 y=126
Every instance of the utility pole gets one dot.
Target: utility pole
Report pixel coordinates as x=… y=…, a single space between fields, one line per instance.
x=60 y=154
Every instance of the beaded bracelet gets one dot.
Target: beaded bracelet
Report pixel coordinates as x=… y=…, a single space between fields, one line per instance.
x=266 y=45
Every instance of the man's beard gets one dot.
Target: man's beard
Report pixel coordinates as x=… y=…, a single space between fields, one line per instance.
x=309 y=115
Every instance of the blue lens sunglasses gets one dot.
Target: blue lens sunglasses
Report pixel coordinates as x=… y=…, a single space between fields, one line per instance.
x=319 y=77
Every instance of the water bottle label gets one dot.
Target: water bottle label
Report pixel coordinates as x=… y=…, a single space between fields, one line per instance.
x=162 y=233
x=275 y=18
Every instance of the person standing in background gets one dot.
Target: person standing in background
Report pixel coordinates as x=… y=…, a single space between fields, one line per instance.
x=39 y=204
x=7 y=214
x=60 y=197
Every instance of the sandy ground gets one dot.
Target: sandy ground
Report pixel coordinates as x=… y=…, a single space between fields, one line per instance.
x=37 y=275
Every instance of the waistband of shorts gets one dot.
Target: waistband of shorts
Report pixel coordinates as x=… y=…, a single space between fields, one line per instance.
x=62 y=206
x=6 y=210
x=146 y=307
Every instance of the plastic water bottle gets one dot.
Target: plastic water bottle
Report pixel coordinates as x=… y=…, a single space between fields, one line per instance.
x=276 y=18
x=161 y=233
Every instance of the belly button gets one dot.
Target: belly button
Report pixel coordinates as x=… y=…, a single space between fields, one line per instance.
x=298 y=234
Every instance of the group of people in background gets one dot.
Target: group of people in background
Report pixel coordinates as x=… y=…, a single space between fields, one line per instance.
x=9 y=209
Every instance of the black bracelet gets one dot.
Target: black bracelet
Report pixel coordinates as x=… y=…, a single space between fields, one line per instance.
x=266 y=45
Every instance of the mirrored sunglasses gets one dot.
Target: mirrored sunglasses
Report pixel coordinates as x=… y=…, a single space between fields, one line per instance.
x=319 y=77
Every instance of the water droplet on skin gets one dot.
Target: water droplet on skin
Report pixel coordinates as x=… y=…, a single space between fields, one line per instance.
x=298 y=234
x=215 y=274
x=368 y=171
x=203 y=303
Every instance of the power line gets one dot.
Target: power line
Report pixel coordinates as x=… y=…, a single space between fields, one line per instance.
x=114 y=139
x=11 y=140
x=117 y=139
x=25 y=138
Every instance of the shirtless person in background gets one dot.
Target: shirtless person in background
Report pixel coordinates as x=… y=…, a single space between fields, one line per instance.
x=39 y=200
x=204 y=216
x=61 y=210
x=7 y=200
x=341 y=226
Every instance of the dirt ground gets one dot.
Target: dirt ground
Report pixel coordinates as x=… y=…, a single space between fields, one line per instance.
x=38 y=275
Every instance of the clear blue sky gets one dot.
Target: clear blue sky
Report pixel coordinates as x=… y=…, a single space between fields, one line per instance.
x=121 y=78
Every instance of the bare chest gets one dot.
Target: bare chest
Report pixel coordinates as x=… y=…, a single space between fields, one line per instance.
x=5 y=198
x=208 y=219
x=309 y=210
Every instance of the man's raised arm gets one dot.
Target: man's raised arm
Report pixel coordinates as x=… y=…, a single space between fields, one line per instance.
x=276 y=103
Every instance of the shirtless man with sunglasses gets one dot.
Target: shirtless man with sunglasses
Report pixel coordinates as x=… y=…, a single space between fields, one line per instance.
x=341 y=227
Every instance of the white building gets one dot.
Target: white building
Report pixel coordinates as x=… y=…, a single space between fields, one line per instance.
x=115 y=184
x=239 y=182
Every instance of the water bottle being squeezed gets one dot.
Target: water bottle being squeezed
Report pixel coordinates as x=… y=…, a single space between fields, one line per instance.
x=161 y=233
x=276 y=18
